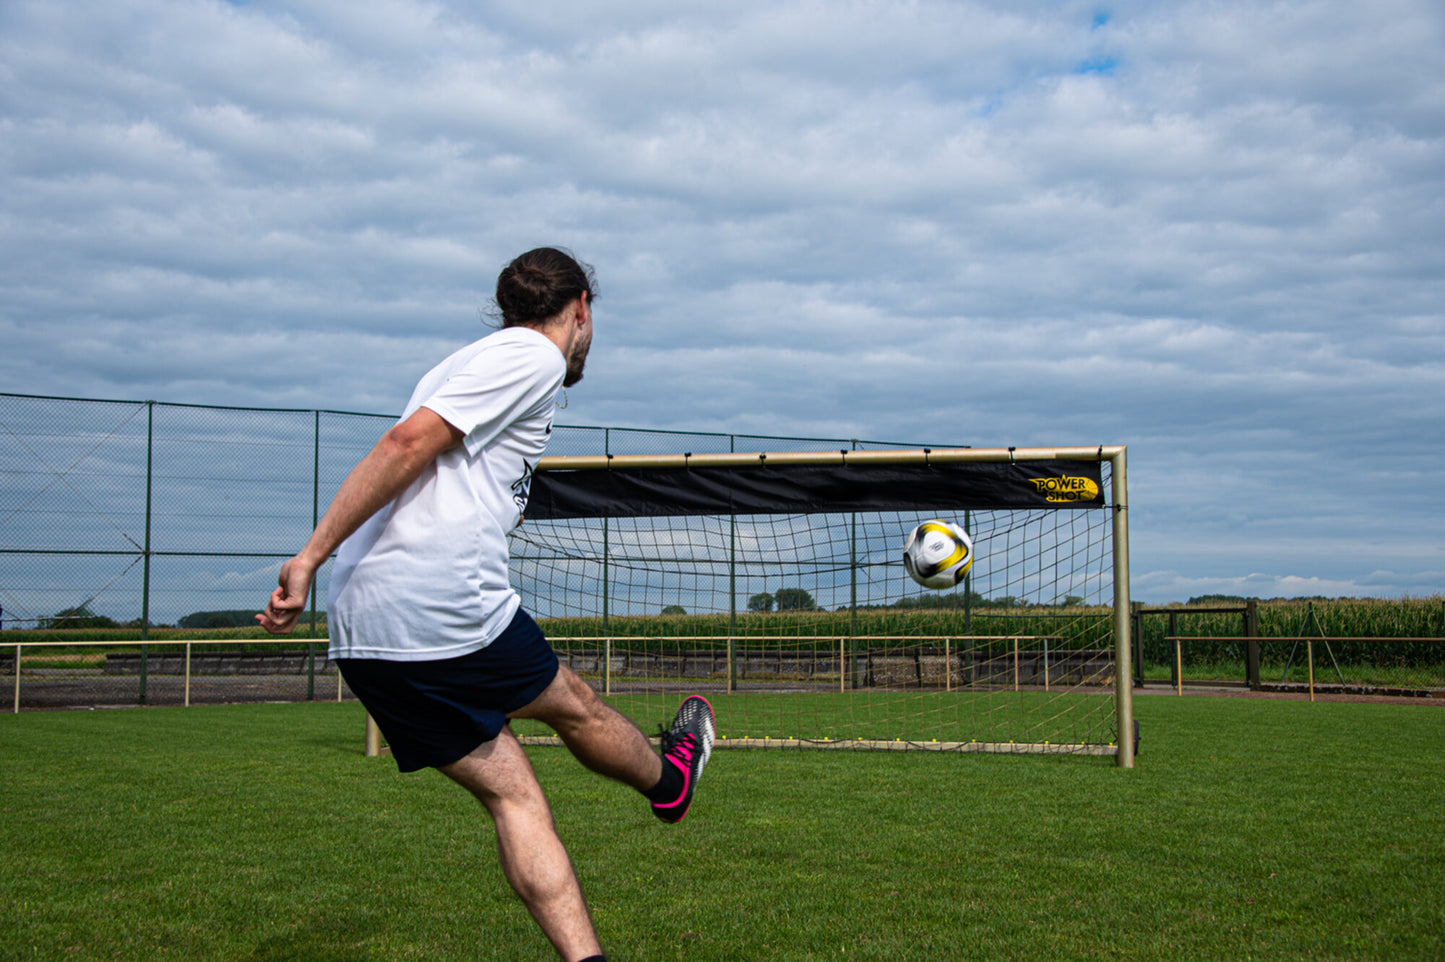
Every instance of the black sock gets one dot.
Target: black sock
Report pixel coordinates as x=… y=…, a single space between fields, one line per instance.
x=594 y=958
x=668 y=787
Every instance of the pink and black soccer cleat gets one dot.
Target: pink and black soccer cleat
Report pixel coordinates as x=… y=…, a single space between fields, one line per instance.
x=687 y=748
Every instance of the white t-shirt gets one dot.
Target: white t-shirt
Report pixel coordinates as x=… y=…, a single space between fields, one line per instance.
x=425 y=578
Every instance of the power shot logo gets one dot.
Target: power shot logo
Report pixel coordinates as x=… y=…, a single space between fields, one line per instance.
x=1066 y=489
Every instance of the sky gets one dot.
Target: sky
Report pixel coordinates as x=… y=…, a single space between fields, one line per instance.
x=1211 y=231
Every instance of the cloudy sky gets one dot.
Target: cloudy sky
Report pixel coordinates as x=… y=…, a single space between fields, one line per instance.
x=1212 y=231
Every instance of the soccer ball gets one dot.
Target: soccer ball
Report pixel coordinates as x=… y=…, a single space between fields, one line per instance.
x=937 y=554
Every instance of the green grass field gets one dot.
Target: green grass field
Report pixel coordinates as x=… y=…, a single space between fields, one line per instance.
x=1251 y=828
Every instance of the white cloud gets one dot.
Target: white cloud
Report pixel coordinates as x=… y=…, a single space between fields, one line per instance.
x=1212 y=230
x=1171 y=586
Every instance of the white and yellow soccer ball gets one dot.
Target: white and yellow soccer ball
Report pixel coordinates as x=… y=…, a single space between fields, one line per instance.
x=938 y=554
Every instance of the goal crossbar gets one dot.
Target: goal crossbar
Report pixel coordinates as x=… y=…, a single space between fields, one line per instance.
x=1101 y=452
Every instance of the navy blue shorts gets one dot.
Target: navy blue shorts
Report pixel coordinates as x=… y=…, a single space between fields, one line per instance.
x=433 y=713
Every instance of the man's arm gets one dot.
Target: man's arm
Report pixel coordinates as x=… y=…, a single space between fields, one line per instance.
x=395 y=462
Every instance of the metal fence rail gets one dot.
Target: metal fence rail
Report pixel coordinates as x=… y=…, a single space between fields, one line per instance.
x=1376 y=666
x=106 y=674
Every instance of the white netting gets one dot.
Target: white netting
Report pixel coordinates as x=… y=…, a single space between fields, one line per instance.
x=805 y=629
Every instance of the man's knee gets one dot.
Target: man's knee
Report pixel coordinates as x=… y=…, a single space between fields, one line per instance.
x=581 y=704
x=568 y=702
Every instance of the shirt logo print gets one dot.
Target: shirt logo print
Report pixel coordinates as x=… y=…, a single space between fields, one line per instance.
x=522 y=487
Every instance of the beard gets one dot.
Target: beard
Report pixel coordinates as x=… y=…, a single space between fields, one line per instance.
x=576 y=361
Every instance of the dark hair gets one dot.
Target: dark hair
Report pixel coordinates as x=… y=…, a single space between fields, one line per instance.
x=537 y=285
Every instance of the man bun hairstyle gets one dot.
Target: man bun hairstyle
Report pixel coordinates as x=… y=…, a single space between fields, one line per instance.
x=537 y=285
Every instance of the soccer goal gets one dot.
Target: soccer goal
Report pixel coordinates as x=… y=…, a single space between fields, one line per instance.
x=772 y=584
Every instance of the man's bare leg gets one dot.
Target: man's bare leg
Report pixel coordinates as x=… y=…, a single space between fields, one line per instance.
x=533 y=858
x=600 y=736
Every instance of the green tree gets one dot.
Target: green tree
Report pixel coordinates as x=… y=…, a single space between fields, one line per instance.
x=762 y=601
x=674 y=610
x=794 y=599
x=235 y=618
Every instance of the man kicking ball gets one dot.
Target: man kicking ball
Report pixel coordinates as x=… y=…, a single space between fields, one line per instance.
x=427 y=630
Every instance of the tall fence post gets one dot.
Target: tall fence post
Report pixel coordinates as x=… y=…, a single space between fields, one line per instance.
x=1173 y=632
x=315 y=517
x=1178 y=666
x=1310 y=654
x=1136 y=619
x=145 y=591
x=1251 y=647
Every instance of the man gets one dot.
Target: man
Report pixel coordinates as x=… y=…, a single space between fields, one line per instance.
x=425 y=627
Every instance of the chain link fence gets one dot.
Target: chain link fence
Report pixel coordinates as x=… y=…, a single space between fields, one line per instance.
x=144 y=521
x=146 y=514
x=149 y=525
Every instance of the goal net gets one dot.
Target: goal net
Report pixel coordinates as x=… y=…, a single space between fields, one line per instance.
x=772 y=584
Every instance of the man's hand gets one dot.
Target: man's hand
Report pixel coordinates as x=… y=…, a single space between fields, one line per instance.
x=288 y=601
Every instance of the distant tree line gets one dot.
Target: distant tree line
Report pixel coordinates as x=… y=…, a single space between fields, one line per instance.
x=797 y=599
x=784 y=599
x=219 y=619
x=78 y=617
x=973 y=600
x=82 y=616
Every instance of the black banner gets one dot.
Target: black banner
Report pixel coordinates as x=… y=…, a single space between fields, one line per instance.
x=814 y=489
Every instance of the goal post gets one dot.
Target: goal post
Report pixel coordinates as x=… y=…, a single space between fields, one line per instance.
x=771 y=583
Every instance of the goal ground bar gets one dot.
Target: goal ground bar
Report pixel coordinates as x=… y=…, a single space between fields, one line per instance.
x=885 y=745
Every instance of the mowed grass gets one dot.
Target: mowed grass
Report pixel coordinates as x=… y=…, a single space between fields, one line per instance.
x=1250 y=828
